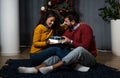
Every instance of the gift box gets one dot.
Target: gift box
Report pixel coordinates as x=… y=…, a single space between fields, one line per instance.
x=56 y=39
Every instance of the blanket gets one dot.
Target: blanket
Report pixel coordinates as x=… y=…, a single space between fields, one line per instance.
x=9 y=70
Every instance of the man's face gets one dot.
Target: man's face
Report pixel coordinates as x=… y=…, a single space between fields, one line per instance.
x=67 y=22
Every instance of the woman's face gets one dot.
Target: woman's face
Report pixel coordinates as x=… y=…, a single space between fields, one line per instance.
x=50 y=21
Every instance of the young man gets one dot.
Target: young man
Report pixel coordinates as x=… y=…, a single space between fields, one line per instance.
x=80 y=36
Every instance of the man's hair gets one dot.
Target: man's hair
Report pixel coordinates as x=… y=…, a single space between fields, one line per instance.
x=73 y=16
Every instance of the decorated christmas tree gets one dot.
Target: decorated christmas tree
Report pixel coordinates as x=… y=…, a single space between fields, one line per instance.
x=61 y=6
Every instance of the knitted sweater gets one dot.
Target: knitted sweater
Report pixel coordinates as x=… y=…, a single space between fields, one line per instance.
x=40 y=37
x=83 y=36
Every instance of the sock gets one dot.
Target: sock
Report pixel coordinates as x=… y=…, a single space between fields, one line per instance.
x=45 y=70
x=27 y=70
x=81 y=68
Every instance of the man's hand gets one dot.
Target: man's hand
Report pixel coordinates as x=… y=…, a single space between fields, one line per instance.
x=66 y=40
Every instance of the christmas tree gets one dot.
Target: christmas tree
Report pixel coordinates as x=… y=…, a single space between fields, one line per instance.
x=61 y=6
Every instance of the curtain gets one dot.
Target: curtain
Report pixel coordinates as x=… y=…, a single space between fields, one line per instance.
x=29 y=15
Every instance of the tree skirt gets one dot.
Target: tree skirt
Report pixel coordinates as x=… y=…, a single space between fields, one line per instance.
x=99 y=71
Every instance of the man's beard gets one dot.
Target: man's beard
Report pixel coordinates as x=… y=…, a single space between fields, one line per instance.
x=70 y=28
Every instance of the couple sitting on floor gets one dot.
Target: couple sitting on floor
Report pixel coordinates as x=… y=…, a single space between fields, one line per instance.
x=78 y=36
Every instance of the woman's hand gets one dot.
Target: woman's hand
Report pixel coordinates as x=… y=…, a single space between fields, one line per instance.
x=51 y=42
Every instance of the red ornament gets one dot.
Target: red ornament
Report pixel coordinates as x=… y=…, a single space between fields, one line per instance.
x=71 y=4
x=54 y=1
x=67 y=1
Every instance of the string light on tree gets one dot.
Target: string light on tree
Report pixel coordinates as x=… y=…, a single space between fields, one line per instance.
x=49 y=3
x=43 y=8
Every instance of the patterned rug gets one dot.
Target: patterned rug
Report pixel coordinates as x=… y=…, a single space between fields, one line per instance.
x=99 y=71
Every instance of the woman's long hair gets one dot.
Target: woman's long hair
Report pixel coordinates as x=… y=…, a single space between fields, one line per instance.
x=50 y=13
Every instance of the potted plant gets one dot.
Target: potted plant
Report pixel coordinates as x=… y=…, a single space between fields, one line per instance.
x=111 y=13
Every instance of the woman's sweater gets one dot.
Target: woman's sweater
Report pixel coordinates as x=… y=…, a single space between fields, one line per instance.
x=40 y=37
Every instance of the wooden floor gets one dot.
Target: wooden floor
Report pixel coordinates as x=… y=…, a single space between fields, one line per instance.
x=106 y=58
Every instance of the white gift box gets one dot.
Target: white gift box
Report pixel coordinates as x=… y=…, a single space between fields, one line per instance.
x=56 y=39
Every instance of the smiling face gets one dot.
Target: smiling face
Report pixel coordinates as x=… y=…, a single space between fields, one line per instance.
x=50 y=21
x=68 y=22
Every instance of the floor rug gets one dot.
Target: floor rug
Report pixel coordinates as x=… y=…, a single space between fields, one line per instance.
x=99 y=71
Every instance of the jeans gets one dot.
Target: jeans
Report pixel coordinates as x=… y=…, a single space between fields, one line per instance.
x=79 y=54
x=51 y=60
x=38 y=58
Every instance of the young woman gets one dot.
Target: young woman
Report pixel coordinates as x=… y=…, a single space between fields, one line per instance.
x=46 y=27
